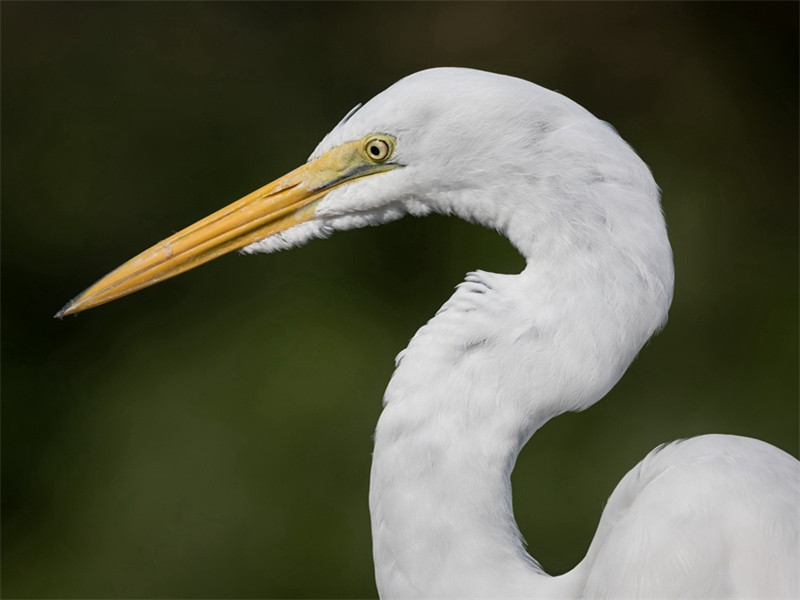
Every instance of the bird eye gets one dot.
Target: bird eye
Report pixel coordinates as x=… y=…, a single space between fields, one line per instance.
x=378 y=149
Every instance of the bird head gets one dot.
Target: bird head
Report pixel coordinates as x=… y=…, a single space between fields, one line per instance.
x=452 y=141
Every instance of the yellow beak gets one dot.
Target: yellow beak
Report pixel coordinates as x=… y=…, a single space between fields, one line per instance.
x=286 y=202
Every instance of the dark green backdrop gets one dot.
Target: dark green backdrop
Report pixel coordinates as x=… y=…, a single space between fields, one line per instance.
x=211 y=437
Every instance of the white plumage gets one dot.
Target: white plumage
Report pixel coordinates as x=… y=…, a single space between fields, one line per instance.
x=709 y=517
x=713 y=516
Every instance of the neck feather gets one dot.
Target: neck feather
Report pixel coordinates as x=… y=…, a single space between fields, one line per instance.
x=505 y=354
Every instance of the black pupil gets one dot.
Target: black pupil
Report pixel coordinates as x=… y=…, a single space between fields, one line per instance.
x=375 y=150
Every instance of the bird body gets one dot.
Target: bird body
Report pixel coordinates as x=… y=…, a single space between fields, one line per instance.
x=710 y=516
x=713 y=516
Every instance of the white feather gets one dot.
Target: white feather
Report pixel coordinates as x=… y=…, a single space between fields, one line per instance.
x=715 y=516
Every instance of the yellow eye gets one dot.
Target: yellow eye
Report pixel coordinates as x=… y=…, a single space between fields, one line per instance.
x=378 y=149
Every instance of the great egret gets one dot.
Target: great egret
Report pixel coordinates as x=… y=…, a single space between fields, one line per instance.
x=711 y=516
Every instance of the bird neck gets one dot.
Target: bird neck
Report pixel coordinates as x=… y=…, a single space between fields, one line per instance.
x=504 y=355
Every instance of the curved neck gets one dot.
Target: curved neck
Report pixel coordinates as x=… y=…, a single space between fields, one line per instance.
x=504 y=355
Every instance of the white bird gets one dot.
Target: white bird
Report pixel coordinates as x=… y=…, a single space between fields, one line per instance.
x=712 y=516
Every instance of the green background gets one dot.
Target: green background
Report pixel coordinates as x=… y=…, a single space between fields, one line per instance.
x=211 y=436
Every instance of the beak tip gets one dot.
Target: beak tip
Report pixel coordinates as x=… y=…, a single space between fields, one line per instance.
x=67 y=309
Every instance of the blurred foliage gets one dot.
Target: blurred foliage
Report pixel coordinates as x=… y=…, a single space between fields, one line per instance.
x=211 y=436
